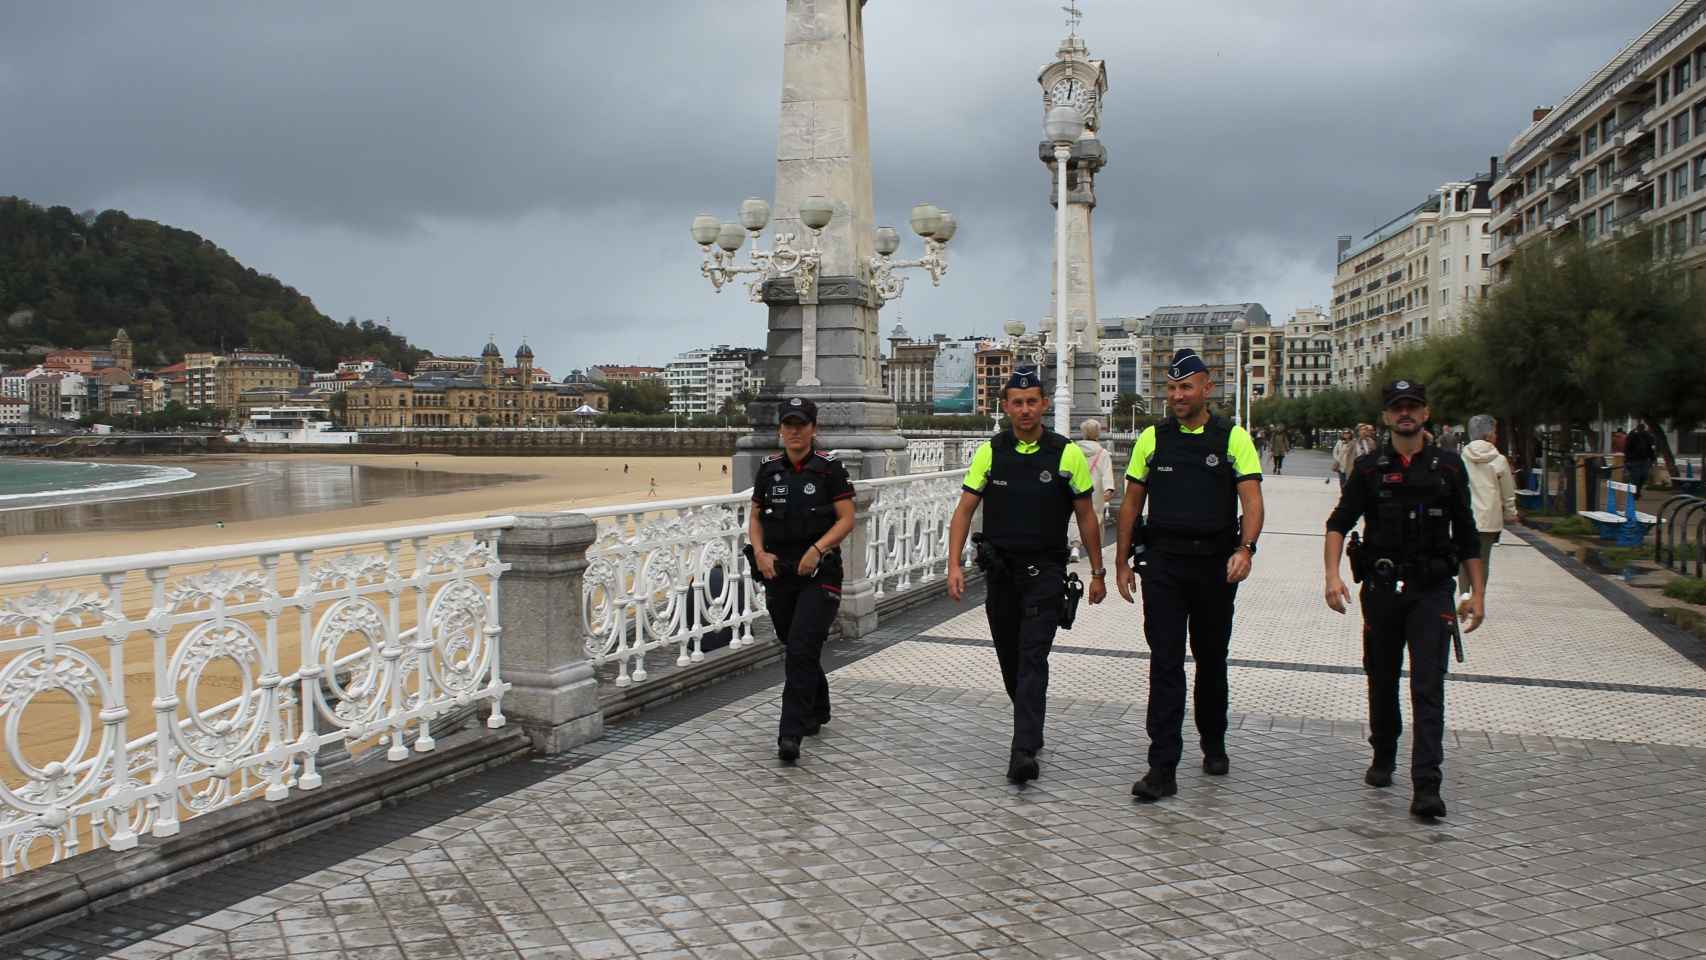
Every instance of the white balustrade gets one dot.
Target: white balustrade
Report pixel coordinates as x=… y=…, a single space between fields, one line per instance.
x=906 y=544
x=928 y=456
x=197 y=620
x=663 y=575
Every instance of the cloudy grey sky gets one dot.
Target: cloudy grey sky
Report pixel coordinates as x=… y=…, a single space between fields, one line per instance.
x=530 y=168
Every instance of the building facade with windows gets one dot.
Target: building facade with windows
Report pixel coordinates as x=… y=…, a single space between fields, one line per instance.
x=909 y=373
x=1622 y=153
x=1306 y=366
x=1207 y=329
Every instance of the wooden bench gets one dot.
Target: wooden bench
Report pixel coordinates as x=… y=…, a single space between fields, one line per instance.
x=1623 y=525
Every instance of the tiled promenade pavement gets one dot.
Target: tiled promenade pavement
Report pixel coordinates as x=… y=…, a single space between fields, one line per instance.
x=1576 y=826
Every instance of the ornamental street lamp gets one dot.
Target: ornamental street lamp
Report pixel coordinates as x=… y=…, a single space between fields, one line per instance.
x=1062 y=126
x=781 y=260
x=937 y=227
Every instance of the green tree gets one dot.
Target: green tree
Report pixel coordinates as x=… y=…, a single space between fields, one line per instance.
x=641 y=396
x=1129 y=408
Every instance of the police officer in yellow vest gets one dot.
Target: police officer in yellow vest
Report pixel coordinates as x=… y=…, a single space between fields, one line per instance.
x=1194 y=471
x=1031 y=482
x=802 y=508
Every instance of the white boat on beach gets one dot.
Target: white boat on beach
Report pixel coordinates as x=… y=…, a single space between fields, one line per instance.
x=292 y=424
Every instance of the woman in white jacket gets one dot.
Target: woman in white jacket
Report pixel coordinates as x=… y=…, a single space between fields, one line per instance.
x=1101 y=475
x=1492 y=488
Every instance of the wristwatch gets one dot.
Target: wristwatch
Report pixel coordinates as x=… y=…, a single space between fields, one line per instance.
x=1251 y=546
x=1099 y=573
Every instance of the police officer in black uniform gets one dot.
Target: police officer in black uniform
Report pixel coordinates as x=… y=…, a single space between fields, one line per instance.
x=1200 y=477
x=1031 y=482
x=1413 y=499
x=802 y=508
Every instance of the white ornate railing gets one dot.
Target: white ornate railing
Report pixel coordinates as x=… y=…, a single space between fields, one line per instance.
x=935 y=455
x=906 y=543
x=198 y=621
x=664 y=575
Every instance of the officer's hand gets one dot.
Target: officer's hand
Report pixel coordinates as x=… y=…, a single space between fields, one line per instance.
x=808 y=563
x=1471 y=612
x=1098 y=591
x=956 y=582
x=1126 y=580
x=1238 y=566
x=767 y=564
x=1338 y=595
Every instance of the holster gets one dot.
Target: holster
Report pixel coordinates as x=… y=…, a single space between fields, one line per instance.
x=1359 y=561
x=1137 y=554
x=752 y=563
x=989 y=558
x=1073 y=591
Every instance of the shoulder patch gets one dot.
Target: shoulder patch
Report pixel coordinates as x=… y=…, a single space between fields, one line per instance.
x=773 y=457
x=826 y=454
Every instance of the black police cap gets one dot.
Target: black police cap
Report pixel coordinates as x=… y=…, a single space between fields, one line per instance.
x=799 y=408
x=1185 y=362
x=1403 y=390
x=1024 y=378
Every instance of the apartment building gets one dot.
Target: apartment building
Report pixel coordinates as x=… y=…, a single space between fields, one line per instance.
x=1306 y=365
x=1417 y=275
x=909 y=373
x=1207 y=329
x=701 y=380
x=1624 y=152
x=994 y=366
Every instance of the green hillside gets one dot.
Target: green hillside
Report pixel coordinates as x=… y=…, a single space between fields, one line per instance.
x=71 y=280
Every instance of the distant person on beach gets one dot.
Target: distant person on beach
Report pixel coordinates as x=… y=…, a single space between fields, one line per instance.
x=653 y=492
x=624 y=469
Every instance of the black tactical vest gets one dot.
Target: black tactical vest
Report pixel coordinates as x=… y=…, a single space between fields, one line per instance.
x=795 y=504
x=1192 y=483
x=1028 y=501
x=1409 y=512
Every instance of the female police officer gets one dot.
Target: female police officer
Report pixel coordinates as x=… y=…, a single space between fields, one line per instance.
x=802 y=507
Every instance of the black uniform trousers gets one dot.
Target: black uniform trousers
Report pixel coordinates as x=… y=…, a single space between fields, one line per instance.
x=801 y=610
x=1419 y=619
x=1186 y=595
x=1024 y=612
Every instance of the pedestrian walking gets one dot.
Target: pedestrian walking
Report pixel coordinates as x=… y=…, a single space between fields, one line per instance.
x=1639 y=452
x=1413 y=500
x=1448 y=440
x=1200 y=478
x=1101 y=476
x=653 y=492
x=1492 y=491
x=802 y=508
x=1031 y=482
x=1344 y=456
x=624 y=469
x=1367 y=442
x=1281 y=446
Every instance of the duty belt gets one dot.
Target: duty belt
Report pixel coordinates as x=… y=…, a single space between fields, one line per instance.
x=1191 y=546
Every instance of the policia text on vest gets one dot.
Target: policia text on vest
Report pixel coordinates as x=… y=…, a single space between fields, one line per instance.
x=1031 y=483
x=1413 y=500
x=802 y=508
x=1200 y=478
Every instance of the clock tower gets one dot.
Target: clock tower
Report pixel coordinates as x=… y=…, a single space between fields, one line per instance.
x=1076 y=80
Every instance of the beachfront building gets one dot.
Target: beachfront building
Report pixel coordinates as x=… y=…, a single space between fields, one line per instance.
x=518 y=396
x=1207 y=329
x=617 y=374
x=14 y=413
x=1624 y=152
x=1306 y=367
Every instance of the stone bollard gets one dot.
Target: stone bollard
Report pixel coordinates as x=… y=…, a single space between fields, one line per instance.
x=858 y=614
x=553 y=693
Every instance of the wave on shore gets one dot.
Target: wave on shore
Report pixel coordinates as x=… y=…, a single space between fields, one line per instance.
x=25 y=480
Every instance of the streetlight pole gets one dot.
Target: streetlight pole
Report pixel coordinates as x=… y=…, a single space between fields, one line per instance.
x=1238 y=327
x=1063 y=125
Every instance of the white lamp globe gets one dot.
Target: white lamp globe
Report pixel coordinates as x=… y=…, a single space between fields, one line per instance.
x=754 y=214
x=705 y=229
x=1063 y=125
x=926 y=219
x=816 y=212
x=1015 y=328
x=945 y=231
x=888 y=241
x=731 y=237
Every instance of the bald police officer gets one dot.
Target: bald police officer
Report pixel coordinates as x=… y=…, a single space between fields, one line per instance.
x=802 y=509
x=1194 y=472
x=1031 y=482
x=1413 y=500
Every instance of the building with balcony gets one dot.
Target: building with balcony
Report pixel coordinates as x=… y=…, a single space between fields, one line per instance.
x=1622 y=153
x=1207 y=329
x=1414 y=276
x=909 y=372
x=1305 y=366
x=994 y=366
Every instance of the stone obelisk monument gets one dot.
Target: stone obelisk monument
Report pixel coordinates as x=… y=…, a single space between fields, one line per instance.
x=1075 y=79
x=825 y=344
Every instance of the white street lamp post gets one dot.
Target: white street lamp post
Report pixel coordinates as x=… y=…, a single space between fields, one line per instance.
x=1133 y=328
x=1063 y=125
x=1238 y=327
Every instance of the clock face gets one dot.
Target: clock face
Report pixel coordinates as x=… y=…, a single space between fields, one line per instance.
x=1068 y=91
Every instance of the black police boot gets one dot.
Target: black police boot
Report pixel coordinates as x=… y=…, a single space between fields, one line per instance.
x=1157 y=783
x=788 y=749
x=1022 y=766
x=1377 y=775
x=1216 y=764
x=1427 y=802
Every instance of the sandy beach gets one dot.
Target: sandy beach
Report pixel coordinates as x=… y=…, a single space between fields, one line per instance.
x=544 y=483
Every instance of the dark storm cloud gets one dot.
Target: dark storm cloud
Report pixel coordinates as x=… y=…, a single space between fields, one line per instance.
x=531 y=167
